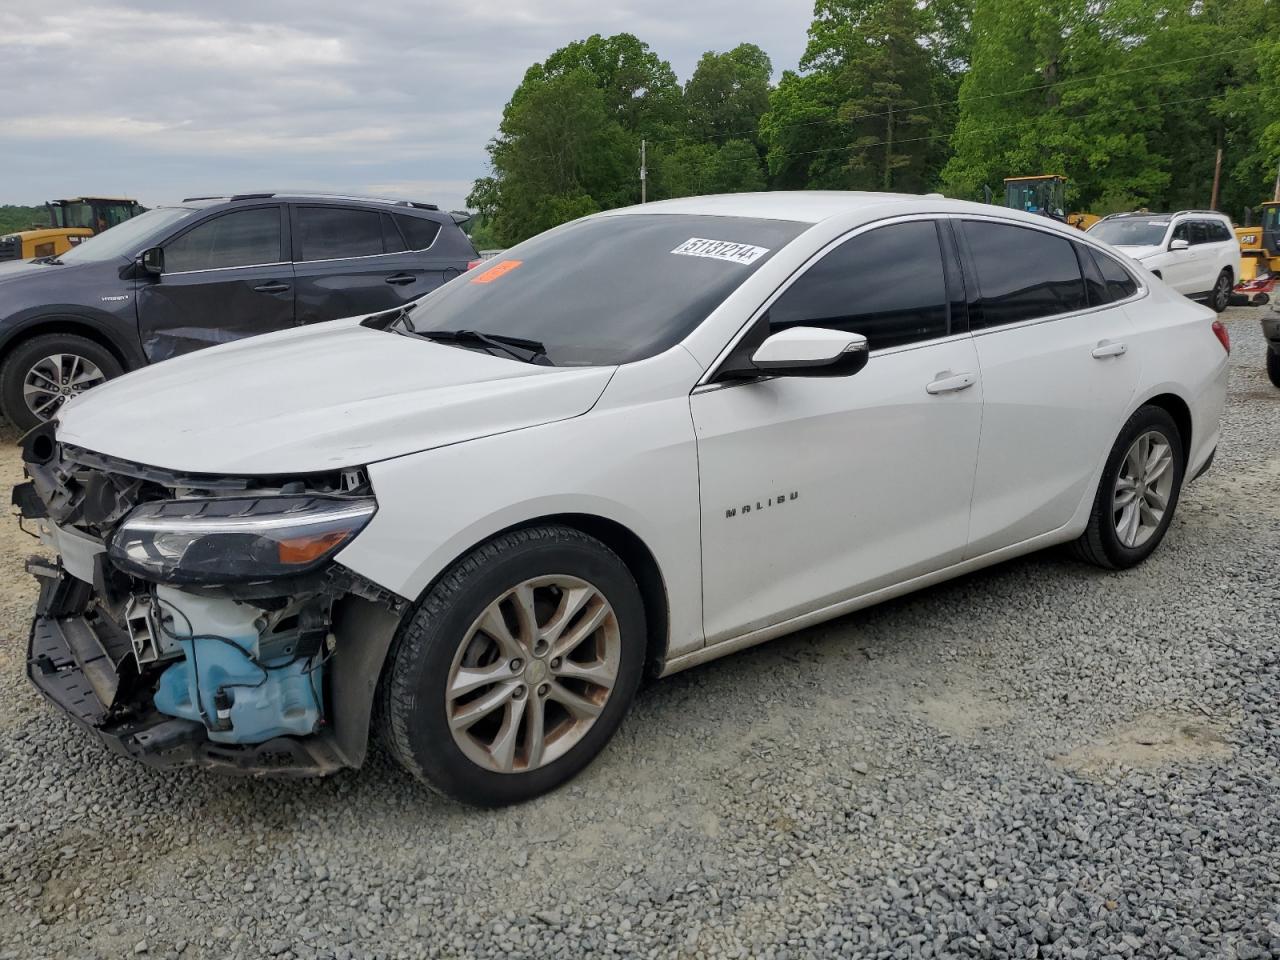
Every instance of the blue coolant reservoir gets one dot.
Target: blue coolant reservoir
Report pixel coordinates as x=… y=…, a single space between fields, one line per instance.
x=219 y=684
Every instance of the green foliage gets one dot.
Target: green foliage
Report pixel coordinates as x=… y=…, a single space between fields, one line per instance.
x=14 y=218
x=861 y=115
x=1129 y=99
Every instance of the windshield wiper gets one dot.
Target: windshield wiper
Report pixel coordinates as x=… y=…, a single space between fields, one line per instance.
x=498 y=341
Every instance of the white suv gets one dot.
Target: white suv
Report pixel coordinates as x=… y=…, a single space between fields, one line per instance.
x=637 y=442
x=1193 y=251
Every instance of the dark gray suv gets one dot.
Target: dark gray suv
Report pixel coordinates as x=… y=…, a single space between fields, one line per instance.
x=209 y=270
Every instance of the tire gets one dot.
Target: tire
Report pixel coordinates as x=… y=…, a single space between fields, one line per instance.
x=1273 y=365
x=82 y=359
x=1220 y=297
x=1103 y=542
x=446 y=640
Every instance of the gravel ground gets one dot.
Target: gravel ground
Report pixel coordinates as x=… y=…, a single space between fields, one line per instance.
x=1041 y=760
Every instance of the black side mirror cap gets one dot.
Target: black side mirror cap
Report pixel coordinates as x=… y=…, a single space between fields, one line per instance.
x=152 y=261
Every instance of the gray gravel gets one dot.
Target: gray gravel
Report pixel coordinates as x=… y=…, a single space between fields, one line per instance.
x=1041 y=760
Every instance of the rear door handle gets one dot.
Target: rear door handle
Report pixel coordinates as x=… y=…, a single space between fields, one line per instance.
x=400 y=279
x=275 y=286
x=950 y=383
x=1109 y=348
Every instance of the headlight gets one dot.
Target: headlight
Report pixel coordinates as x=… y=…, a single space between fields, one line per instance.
x=235 y=540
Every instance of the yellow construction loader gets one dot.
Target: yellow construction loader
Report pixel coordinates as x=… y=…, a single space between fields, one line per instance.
x=70 y=222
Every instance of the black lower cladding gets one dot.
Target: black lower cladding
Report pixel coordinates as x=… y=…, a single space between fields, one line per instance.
x=75 y=661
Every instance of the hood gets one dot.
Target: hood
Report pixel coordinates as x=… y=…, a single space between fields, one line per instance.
x=17 y=269
x=319 y=398
x=1140 y=252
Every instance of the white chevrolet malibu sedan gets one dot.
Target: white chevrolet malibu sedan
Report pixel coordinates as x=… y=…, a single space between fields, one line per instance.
x=634 y=443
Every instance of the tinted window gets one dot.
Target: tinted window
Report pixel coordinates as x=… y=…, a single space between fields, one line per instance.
x=1023 y=274
x=237 y=239
x=610 y=290
x=418 y=233
x=887 y=285
x=1182 y=232
x=1199 y=232
x=1094 y=284
x=392 y=242
x=1219 y=231
x=1120 y=284
x=336 y=233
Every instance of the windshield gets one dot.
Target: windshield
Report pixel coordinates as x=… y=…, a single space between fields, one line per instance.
x=611 y=290
x=1131 y=231
x=128 y=239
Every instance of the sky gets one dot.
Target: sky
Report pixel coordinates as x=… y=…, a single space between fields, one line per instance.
x=161 y=100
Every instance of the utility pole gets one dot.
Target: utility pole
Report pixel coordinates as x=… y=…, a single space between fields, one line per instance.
x=1275 y=193
x=644 y=175
x=1217 y=176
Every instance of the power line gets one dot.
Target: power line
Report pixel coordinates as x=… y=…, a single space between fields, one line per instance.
x=960 y=100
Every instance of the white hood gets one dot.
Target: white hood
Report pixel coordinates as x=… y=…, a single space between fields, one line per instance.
x=319 y=398
x=1139 y=252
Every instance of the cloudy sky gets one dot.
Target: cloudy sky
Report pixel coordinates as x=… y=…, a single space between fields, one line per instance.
x=171 y=98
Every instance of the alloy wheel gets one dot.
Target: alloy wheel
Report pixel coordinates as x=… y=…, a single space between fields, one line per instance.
x=1222 y=292
x=1142 y=490
x=55 y=379
x=533 y=673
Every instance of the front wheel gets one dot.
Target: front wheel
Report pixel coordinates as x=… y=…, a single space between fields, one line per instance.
x=1273 y=365
x=516 y=668
x=1137 y=494
x=1221 y=296
x=43 y=373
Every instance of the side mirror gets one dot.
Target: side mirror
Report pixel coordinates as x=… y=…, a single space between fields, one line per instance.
x=811 y=352
x=152 y=261
x=1179 y=244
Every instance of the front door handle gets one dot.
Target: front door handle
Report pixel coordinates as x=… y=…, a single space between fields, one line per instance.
x=1109 y=348
x=950 y=383
x=400 y=279
x=275 y=286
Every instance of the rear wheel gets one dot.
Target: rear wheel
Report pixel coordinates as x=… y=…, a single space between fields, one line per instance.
x=517 y=667
x=1273 y=365
x=1221 y=295
x=43 y=373
x=1137 y=494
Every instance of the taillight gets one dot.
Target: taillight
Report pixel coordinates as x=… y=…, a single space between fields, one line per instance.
x=1224 y=338
x=472 y=264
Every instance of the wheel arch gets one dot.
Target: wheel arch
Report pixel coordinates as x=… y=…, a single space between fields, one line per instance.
x=1180 y=410
x=69 y=324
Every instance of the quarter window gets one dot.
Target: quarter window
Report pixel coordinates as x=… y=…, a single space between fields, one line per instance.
x=239 y=239
x=1023 y=274
x=419 y=233
x=1120 y=283
x=887 y=284
x=337 y=233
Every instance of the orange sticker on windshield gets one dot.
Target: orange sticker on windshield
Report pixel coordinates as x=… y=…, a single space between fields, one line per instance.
x=496 y=271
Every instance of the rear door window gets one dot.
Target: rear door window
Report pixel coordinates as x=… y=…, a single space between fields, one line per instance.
x=1219 y=232
x=1023 y=274
x=392 y=241
x=337 y=233
x=238 y=239
x=888 y=284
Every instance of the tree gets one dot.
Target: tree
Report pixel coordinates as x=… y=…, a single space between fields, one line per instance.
x=728 y=93
x=558 y=155
x=695 y=168
x=1043 y=95
x=640 y=89
x=861 y=112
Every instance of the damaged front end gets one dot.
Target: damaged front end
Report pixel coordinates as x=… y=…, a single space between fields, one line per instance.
x=202 y=619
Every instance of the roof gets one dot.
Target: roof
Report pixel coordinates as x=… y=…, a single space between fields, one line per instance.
x=1174 y=213
x=812 y=206
x=1038 y=176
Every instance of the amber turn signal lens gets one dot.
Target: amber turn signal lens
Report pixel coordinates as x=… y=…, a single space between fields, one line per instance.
x=303 y=550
